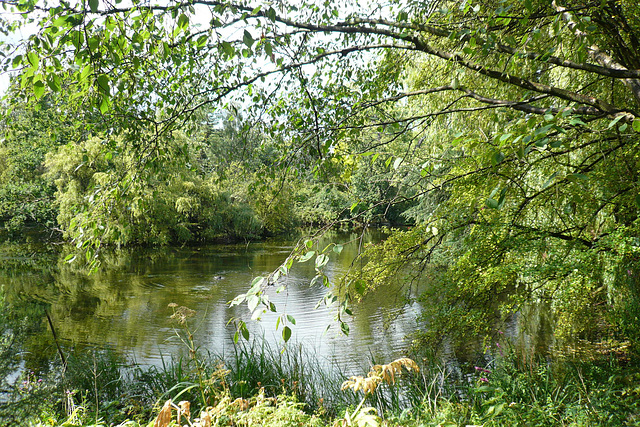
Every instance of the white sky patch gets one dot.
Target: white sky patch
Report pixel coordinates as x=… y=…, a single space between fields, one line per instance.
x=201 y=19
x=23 y=33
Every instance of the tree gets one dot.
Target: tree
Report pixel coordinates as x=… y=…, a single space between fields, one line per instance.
x=521 y=118
x=26 y=135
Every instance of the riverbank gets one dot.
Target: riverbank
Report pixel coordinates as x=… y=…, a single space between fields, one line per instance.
x=258 y=385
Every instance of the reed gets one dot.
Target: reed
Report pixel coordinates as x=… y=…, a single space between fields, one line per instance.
x=100 y=388
x=299 y=371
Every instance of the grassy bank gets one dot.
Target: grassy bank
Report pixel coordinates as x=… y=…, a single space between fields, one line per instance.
x=259 y=385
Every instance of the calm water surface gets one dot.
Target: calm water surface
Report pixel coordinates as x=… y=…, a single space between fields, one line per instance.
x=125 y=305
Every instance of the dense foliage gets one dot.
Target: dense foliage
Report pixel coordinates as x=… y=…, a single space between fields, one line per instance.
x=506 y=131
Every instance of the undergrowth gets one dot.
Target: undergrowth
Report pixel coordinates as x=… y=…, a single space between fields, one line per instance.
x=257 y=384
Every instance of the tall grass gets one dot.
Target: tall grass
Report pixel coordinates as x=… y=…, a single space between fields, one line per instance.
x=297 y=371
x=503 y=389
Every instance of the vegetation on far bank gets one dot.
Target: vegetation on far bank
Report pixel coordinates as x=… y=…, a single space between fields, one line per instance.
x=213 y=186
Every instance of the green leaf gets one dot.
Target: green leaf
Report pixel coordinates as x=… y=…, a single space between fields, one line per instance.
x=103 y=84
x=542 y=142
x=33 y=59
x=636 y=124
x=93 y=5
x=502 y=198
x=286 y=333
x=321 y=260
x=344 y=328
x=256 y=315
x=252 y=302
x=238 y=300
x=549 y=180
x=248 y=39
x=360 y=286
x=317 y=278
x=271 y=14
x=17 y=61
x=202 y=40
x=38 y=89
x=638 y=200
x=544 y=130
x=54 y=83
x=306 y=257
x=256 y=284
x=85 y=72
x=504 y=137
x=614 y=121
x=104 y=105
x=183 y=21
x=497 y=158
x=338 y=249
x=245 y=331
x=577 y=121
x=291 y=319
x=575 y=177
x=229 y=49
x=61 y=21
x=491 y=203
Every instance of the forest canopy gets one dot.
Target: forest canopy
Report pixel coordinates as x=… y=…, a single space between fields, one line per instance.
x=505 y=132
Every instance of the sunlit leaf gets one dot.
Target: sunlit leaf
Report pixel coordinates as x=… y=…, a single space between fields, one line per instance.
x=38 y=89
x=252 y=302
x=306 y=257
x=321 y=260
x=613 y=122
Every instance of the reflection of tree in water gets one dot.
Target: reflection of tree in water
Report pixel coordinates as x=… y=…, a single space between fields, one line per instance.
x=124 y=305
x=25 y=339
x=26 y=354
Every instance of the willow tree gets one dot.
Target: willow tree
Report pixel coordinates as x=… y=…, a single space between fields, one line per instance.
x=519 y=119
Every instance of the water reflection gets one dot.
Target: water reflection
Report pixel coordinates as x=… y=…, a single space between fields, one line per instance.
x=125 y=304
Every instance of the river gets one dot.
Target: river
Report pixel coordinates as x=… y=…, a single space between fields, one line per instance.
x=125 y=305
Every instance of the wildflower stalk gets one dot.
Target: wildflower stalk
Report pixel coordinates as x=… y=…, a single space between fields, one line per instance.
x=181 y=314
